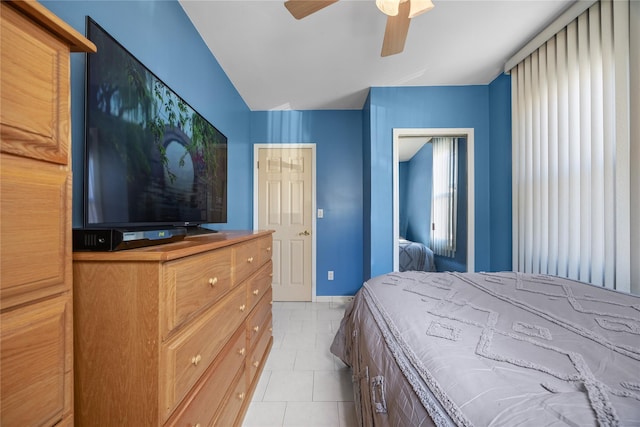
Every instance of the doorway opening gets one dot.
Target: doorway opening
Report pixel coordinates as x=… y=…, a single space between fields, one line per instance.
x=402 y=138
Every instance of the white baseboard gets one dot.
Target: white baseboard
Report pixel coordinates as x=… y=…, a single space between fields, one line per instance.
x=342 y=299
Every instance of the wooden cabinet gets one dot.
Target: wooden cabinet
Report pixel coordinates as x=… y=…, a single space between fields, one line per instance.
x=36 y=315
x=173 y=334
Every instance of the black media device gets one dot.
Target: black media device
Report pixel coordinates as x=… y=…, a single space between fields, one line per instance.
x=152 y=164
x=113 y=239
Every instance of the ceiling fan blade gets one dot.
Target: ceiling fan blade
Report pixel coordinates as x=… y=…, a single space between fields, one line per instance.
x=302 y=8
x=395 y=33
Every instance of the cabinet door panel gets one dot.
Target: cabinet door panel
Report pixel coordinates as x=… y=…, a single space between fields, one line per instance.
x=35 y=227
x=34 y=366
x=34 y=119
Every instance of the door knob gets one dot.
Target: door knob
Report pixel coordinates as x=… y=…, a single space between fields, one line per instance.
x=304 y=233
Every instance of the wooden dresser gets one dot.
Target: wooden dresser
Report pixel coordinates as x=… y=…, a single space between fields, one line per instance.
x=175 y=334
x=36 y=348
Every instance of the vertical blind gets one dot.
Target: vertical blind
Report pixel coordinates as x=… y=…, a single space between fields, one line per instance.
x=571 y=151
x=444 y=195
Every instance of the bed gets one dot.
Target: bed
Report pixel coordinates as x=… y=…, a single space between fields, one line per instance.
x=491 y=349
x=414 y=256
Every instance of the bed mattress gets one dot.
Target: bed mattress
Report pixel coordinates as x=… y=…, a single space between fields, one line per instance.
x=415 y=256
x=492 y=349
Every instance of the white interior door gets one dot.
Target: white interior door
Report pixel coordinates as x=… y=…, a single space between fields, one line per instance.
x=285 y=205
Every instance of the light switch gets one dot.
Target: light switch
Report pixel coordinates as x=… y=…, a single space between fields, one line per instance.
x=320 y=213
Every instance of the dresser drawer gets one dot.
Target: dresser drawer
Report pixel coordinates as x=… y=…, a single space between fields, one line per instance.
x=186 y=356
x=257 y=318
x=257 y=355
x=238 y=396
x=193 y=283
x=265 y=248
x=259 y=284
x=209 y=393
x=246 y=260
x=36 y=363
x=34 y=252
x=34 y=118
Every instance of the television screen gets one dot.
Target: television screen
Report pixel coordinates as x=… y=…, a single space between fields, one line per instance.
x=151 y=159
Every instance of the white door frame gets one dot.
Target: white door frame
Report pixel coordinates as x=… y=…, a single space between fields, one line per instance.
x=426 y=132
x=312 y=146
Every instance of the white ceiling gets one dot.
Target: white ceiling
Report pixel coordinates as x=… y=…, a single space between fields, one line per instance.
x=329 y=59
x=410 y=145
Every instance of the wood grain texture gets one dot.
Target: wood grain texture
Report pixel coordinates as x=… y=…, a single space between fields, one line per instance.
x=36 y=313
x=259 y=284
x=44 y=18
x=35 y=117
x=189 y=246
x=116 y=342
x=194 y=283
x=35 y=225
x=396 y=31
x=247 y=258
x=211 y=390
x=33 y=347
x=133 y=365
x=232 y=409
x=185 y=358
x=302 y=8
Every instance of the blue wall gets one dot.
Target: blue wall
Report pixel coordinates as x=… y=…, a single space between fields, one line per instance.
x=414 y=184
x=424 y=107
x=403 y=198
x=338 y=139
x=500 y=175
x=354 y=148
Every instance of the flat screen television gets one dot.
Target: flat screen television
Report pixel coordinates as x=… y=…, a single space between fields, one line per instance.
x=150 y=159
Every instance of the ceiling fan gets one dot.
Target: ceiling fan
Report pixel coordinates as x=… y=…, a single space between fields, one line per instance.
x=399 y=14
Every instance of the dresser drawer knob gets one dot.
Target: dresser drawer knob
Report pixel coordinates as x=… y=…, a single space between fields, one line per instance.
x=256 y=292
x=256 y=328
x=270 y=329
x=241 y=396
x=269 y=249
x=256 y=363
x=243 y=307
x=196 y=359
x=250 y=259
x=213 y=281
x=242 y=351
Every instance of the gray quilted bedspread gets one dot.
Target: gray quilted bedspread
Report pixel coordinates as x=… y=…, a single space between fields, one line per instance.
x=415 y=256
x=496 y=349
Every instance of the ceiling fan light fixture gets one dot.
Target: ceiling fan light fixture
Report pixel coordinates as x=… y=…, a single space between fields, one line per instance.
x=388 y=7
x=419 y=6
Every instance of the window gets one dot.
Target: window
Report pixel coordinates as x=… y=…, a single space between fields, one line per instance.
x=444 y=203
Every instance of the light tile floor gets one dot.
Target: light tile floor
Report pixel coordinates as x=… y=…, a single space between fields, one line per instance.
x=303 y=384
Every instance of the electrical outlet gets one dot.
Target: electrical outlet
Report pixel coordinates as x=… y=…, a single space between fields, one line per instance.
x=330 y=275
